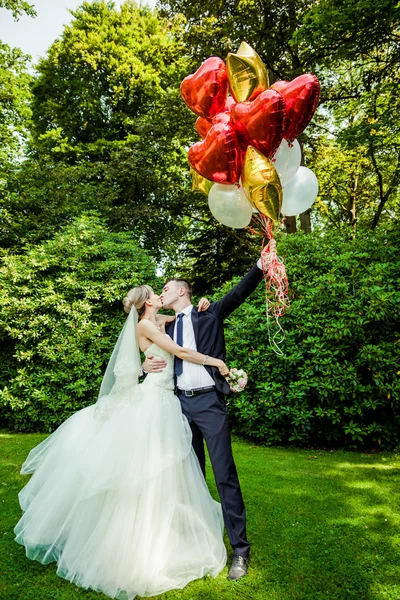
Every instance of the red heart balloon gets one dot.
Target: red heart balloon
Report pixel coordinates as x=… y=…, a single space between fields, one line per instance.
x=202 y=126
x=260 y=123
x=218 y=156
x=301 y=97
x=230 y=101
x=222 y=117
x=278 y=85
x=205 y=91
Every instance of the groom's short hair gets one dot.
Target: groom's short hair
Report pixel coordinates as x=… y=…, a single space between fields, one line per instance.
x=182 y=283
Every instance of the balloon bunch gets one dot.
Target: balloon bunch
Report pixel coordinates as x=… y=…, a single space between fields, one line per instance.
x=249 y=159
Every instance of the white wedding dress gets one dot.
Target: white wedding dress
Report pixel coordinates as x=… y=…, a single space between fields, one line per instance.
x=118 y=499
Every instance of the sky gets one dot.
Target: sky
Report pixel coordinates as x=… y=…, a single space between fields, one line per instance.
x=35 y=35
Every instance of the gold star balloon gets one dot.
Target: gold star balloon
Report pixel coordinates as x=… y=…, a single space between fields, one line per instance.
x=248 y=76
x=262 y=184
x=200 y=183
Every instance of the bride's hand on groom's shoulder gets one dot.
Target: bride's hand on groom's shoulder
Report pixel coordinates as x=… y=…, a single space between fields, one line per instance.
x=203 y=304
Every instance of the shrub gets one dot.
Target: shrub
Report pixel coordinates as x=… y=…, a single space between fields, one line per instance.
x=338 y=382
x=60 y=316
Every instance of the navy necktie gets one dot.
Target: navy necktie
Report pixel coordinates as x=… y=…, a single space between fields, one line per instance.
x=179 y=341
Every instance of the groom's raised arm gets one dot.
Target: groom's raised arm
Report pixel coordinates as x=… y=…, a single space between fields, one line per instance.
x=224 y=307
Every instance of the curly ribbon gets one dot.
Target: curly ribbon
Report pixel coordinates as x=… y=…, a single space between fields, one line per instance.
x=276 y=281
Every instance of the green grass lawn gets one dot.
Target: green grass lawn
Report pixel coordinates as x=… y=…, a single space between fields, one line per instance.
x=323 y=526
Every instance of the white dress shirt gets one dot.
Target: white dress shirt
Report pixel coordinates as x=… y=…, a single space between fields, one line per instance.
x=193 y=376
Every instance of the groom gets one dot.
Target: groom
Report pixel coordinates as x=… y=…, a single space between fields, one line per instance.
x=201 y=391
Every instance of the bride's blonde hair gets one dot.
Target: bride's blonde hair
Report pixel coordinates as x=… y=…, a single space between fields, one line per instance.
x=137 y=297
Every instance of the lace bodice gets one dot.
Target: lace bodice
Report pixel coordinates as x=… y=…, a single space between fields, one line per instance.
x=166 y=377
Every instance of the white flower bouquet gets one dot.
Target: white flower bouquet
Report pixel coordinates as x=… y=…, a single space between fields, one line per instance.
x=237 y=380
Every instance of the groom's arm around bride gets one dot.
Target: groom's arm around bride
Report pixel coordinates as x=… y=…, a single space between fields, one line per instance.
x=210 y=330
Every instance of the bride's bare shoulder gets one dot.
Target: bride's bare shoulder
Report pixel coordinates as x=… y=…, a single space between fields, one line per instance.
x=145 y=325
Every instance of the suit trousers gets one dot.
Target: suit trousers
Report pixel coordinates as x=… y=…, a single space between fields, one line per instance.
x=208 y=417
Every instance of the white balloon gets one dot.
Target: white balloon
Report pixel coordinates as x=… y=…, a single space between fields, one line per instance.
x=287 y=160
x=229 y=205
x=300 y=193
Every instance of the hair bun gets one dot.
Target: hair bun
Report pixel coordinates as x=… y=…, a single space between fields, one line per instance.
x=137 y=298
x=127 y=304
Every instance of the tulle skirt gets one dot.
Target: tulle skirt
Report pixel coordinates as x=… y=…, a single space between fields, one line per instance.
x=120 y=502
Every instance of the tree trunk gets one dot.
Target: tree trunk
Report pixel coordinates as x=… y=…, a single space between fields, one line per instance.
x=385 y=197
x=290 y=224
x=352 y=205
x=305 y=221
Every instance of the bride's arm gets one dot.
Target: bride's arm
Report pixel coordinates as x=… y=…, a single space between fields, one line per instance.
x=147 y=330
x=164 y=319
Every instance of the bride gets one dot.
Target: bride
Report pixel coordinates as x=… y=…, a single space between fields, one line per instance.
x=117 y=497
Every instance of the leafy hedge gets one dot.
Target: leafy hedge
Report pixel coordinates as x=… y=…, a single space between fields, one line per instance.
x=338 y=382
x=60 y=316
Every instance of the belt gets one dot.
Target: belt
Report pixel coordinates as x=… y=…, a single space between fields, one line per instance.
x=197 y=391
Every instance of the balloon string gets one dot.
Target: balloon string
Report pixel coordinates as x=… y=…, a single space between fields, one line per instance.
x=276 y=281
x=273 y=341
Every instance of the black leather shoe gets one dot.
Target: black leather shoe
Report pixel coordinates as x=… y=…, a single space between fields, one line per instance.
x=239 y=568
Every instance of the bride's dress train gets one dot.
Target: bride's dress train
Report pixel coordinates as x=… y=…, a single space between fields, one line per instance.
x=118 y=499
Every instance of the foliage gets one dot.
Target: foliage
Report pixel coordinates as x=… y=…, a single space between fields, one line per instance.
x=215 y=253
x=358 y=162
x=14 y=105
x=338 y=382
x=106 y=121
x=346 y=185
x=354 y=50
x=333 y=30
x=216 y=28
x=60 y=316
x=41 y=196
x=15 y=110
x=18 y=7
x=110 y=133
x=104 y=73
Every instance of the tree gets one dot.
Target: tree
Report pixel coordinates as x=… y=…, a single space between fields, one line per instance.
x=331 y=38
x=104 y=74
x=18 y=7
x=15 y=112
x=14 y=105
x=14 y=90
x=60 y=316
x=214 y=251
x=107 y=96
x=108 y=121
x=345 y=185
x=41 y=196
x=337 y=382
x=361 y=96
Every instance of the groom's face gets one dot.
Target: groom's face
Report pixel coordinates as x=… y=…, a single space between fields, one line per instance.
x=170 y=294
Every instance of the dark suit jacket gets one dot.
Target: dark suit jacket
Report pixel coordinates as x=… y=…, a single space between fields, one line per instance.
x=208 y=325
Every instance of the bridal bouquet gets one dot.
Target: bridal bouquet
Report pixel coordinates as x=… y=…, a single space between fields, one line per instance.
x=237 y=380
